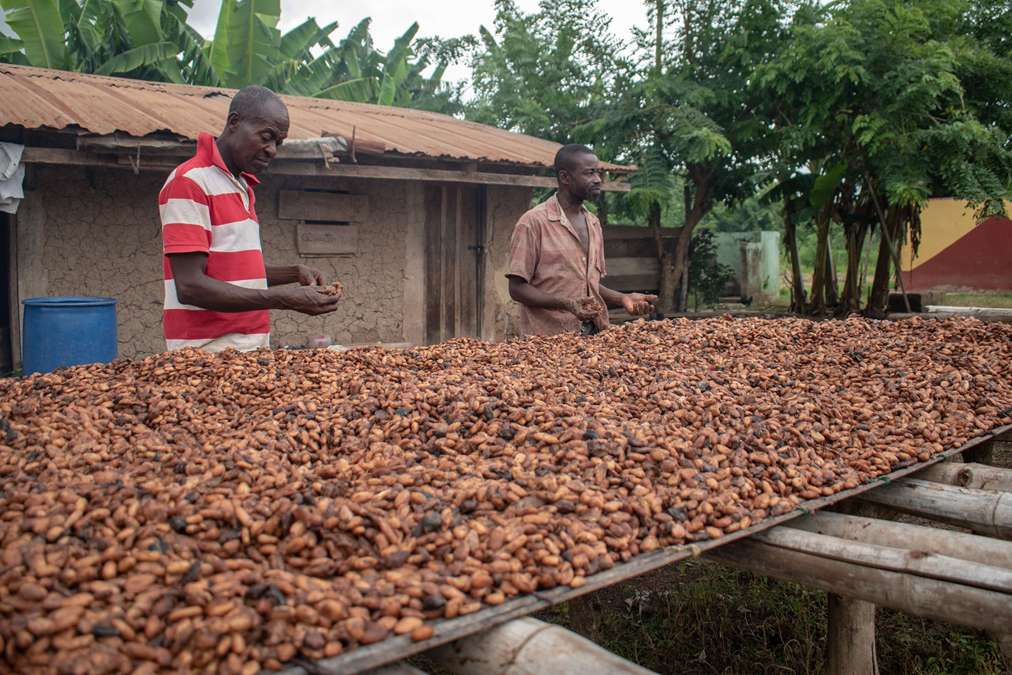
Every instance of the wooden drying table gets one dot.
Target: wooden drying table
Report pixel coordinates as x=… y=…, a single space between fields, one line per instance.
x=939 y=574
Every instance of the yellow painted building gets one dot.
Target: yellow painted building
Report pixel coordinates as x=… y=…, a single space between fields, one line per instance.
x=957 y=252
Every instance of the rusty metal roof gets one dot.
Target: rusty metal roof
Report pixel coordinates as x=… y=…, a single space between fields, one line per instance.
x=38 y=98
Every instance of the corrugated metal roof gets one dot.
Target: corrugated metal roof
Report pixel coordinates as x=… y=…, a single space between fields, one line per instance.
x=38 y=98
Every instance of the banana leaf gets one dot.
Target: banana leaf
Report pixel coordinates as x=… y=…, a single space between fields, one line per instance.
x=304 y=37
x=360 y=90
x=138 y=58
x=246 y=41
x=39 y=24
x=143 y=20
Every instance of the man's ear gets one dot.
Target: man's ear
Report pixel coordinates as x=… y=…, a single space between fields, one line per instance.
x=563 y=177
x=232 y=122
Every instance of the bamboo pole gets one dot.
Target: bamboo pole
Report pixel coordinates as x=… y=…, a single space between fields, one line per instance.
x=919 y=563
x=984 y=511
x=528 y=646
x=959 y=545
x=929 y=598
x=850 y=640
x=974 y=476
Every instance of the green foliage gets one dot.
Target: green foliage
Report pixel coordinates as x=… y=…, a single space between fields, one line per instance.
x=707 y=277
x=150 y=39
x=539 y=73
x=39 y=26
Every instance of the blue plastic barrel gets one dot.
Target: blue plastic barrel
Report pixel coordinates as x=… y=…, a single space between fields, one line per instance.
x=68 y=331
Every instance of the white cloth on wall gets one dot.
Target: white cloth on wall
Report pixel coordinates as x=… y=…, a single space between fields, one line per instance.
x=12 y=176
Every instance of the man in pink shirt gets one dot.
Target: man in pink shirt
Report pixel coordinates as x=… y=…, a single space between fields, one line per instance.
x=557 y=256
x=218 y=291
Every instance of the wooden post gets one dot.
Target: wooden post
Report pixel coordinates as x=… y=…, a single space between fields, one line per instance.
x=529 y=647
x=850 y=643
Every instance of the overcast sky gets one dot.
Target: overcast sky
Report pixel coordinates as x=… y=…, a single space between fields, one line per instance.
x=390 y=18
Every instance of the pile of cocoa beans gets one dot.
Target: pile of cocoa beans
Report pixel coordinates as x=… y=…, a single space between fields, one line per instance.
x=234 y=511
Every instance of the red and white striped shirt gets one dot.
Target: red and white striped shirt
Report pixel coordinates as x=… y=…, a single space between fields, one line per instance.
x=205 y=209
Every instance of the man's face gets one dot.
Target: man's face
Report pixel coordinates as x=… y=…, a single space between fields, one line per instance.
x=585 y=177
x=256 y=141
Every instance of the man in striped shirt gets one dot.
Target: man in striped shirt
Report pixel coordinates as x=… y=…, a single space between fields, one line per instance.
x=557 y=256
x=218 y=291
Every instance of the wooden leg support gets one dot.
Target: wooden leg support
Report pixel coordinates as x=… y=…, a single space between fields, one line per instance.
x=850 y=644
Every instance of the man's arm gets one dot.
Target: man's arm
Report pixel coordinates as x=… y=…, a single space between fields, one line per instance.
x=194 y=287
x=278 y=275
x=526 y=294
x=634 y=303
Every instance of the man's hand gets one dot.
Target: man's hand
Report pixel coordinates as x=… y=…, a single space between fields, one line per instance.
x=308 y=299
x=583 y=308
x=638 y=303
x=309 y=276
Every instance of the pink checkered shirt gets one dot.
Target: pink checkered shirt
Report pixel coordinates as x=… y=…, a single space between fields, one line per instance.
x=546 y=252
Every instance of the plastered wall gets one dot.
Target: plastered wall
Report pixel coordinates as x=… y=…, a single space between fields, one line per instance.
x=95 y=232
x=505 y=206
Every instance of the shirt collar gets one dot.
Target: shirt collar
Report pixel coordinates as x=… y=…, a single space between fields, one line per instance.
x=207 y=150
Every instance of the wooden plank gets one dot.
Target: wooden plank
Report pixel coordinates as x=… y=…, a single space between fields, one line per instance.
x=529 y=646
x=326 y=240
x=433 y=201
x=634 y=282
x=928 y=598
x=636 y=232
x=984 y=511
x=325 y=206
x=294 y=167
x=447 y=630
x=451 y=209
x=619 y=267
x=962 y=545
x=468 y=253
x=642 y=247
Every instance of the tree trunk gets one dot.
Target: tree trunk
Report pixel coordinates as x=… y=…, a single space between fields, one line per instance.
x=878 y=299
x=797 y=280
x=669 y=283
x=850 y=301
x=697 y=205
x=820 y=270
x=832 y=285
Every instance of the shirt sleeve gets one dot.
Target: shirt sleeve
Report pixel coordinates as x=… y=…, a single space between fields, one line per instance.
x=525 y=250
x=184 y=209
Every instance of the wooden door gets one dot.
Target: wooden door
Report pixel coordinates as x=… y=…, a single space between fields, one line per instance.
x=454 y=237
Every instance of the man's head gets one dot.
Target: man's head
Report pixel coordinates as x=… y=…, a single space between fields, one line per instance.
x=578 y=172
x=256 y=126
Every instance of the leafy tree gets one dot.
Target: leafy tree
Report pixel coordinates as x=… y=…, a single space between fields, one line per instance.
x=867 y=97
x=538 y=73
x=685 y=116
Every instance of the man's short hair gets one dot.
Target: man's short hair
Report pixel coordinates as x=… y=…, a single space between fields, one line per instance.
x=566 y=157
x=251 y=101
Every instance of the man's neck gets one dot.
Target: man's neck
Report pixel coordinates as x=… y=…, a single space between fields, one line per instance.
x=226 y=156
x=569 y=203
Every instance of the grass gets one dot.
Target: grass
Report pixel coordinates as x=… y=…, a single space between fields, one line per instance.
x=706 y=618
x=994 y=300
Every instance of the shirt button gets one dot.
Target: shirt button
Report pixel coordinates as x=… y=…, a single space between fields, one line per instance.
x=583 y=260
